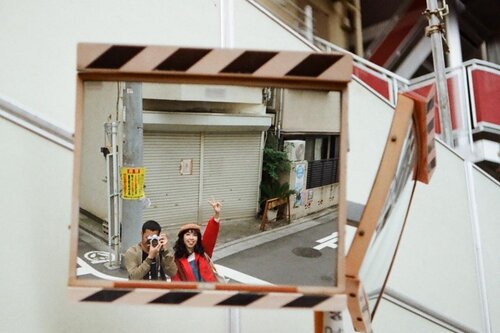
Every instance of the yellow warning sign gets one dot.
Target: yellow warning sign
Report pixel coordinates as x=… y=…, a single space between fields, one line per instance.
x=132 y=182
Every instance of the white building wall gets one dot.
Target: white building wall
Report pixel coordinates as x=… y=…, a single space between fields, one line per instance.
x=252 y=30
x=100 y=105
x=38 y=70
x=436 y=262
x=487 y=197
x=392 y=319
x=311 y=111
x=437 y=265
x=39 y=41
x=369 y=121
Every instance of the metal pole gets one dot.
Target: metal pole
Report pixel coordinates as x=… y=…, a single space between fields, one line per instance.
x=113 y=198
x=227 y=41
x=358 y=28
x=132 y=157
x=453 y=35
x=110 y=197
x=458 y=93
x=227 y=23
x=308 y=22
x=435 y=32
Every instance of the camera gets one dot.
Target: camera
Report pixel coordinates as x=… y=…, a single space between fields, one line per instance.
x=153 y=240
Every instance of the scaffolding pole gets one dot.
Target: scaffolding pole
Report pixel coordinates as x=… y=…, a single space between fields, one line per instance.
x=436 y=32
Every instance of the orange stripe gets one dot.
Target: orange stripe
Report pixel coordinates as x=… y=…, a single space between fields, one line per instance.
x=238 y=287
x=154 y=285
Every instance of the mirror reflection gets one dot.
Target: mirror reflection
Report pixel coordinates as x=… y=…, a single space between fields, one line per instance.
x=383 y=246
x=250 y=174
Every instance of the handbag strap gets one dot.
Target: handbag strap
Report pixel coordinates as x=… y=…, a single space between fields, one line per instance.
x=180 y=270
x=210 y=262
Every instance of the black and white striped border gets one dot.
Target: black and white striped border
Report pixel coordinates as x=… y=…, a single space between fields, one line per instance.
x=309 y=70
x=210 y=298
x=245 y=64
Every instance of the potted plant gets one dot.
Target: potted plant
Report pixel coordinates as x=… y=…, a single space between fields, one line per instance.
x=275 y=163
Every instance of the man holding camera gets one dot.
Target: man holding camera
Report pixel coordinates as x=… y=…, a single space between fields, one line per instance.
x=150 y=259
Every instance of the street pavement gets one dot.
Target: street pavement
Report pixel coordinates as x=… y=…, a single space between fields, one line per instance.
x=299 y=258
x=300 y=253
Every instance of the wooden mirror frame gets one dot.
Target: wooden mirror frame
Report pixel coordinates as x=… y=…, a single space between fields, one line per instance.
x=161 y=64
x=417 y=113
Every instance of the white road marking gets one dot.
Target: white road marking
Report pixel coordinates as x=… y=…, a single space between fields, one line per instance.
x=99 y=257
x=239 y=276
x=328 y=241
x=227 y=272
x=86 y=269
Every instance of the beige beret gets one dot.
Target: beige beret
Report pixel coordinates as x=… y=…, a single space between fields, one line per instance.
x=189 y=226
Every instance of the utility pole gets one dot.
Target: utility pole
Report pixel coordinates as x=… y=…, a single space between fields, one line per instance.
x=132 y=158
x=436 y=31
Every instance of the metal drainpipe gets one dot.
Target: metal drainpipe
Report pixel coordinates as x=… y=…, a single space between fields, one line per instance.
x=280 y=111
x=435 y=31
x=113 y=198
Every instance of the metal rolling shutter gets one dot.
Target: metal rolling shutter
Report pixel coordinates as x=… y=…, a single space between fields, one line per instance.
x=231 y=166
x=174 y=198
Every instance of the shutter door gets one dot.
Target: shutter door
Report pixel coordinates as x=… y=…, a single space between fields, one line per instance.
x=231 y=173
x=174 y=197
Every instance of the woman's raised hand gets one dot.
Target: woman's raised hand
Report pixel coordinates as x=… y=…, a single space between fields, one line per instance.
x=217 y=207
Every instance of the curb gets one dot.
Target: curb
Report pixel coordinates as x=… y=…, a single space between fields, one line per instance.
x=248 y=242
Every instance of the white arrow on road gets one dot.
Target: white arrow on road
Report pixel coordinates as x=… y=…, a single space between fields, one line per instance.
x=328 y=241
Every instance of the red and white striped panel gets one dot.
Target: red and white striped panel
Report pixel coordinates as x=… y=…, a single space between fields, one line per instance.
x=424 y=118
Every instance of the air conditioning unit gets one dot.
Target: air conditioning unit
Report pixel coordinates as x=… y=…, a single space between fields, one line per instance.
x=296 y=149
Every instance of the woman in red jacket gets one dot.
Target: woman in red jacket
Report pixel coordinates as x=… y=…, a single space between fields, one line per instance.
x=191 y=249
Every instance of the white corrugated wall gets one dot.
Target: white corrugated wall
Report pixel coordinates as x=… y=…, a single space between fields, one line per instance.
x=174 y=197
x=231 y=173
x=225 y=167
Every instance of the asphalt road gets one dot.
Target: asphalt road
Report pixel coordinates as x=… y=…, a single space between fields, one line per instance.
x=291 y=260
x=304 y=257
